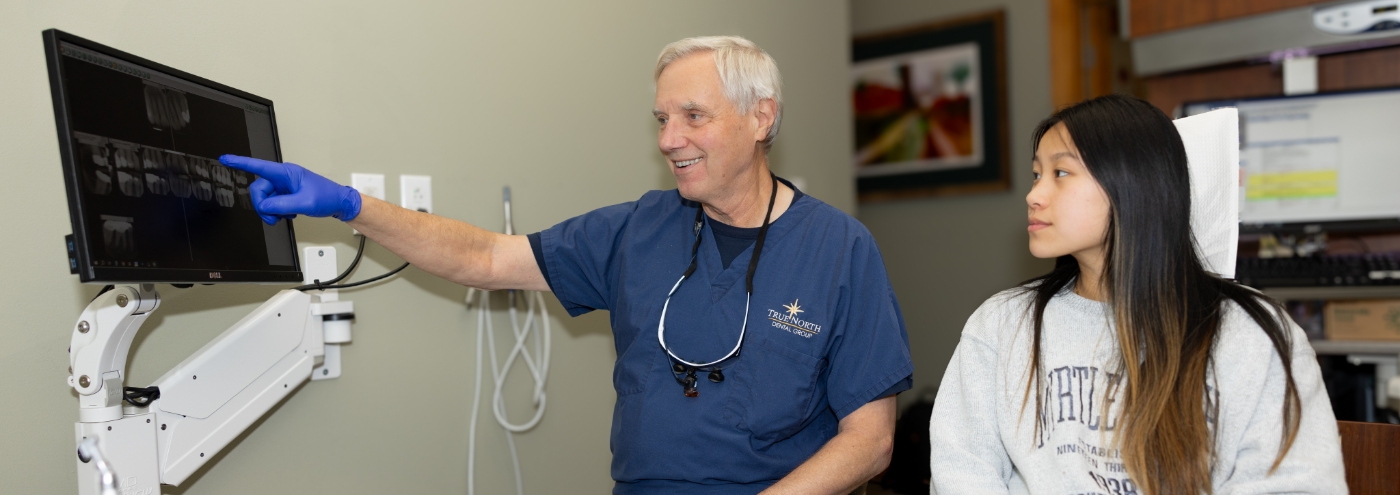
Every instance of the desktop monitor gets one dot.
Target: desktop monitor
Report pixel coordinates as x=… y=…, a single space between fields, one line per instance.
x=147 y=197
x=1327 y=158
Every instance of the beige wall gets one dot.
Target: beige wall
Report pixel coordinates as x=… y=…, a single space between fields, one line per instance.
x=946 y=255
x=552 y=98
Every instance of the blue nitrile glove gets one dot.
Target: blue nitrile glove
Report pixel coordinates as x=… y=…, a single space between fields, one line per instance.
x=285 y=190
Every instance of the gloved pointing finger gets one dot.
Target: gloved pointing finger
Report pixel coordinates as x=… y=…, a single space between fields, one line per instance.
x=259 y=190
x=277 y=173
x=288 y=190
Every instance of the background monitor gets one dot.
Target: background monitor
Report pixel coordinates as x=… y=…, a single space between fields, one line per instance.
x=147 y=197
x=1328 y=157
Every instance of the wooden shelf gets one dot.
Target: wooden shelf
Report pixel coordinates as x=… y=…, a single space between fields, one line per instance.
x=1328 y=293
x=1336 y=347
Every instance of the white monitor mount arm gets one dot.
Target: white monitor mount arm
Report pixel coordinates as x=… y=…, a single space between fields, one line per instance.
x=207 y=400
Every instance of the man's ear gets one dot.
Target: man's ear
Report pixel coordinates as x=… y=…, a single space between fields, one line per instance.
x=764 y=114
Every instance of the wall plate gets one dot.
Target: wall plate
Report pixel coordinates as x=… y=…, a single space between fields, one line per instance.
x=368 y=184
x=416 y=192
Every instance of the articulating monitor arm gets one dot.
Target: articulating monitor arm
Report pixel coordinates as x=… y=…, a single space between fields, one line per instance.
x=210 y=398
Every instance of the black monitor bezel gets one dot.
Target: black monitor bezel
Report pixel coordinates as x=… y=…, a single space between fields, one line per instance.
x=1376 y=224
x=88 y=273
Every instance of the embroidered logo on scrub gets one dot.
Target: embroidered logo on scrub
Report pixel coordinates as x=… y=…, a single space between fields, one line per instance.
x=788 y=321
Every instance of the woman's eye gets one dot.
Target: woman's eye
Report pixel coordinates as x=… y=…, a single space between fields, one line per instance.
x=1061 y=173
x=1035 y=175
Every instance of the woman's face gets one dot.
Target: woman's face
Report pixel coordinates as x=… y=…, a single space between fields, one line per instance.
x=1067 y=210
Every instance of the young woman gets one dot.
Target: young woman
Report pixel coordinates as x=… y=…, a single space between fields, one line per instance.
x=1128 y=368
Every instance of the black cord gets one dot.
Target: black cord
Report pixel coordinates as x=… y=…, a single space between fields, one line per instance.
x=319 y=285
x=331 y=284
x=368 y=280
x=104 y=290
x=353 y=263
x=141 y=396
x=762 y=234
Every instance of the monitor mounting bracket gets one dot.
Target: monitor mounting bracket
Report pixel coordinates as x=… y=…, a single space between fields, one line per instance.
x=207 y=400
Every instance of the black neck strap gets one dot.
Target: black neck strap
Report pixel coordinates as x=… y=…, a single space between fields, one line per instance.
x=757 y=246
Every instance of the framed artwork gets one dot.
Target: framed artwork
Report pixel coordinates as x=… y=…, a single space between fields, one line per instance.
x=930 y=109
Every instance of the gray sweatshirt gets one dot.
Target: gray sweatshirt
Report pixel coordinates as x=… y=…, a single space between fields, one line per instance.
x=983 y=441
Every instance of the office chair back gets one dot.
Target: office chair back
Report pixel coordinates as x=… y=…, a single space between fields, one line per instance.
x=1371 y=453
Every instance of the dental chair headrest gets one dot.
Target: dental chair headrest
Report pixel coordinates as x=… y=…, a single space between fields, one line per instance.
x=1213 y=158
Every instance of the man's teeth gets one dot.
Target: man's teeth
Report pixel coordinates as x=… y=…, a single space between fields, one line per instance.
x=687 y=163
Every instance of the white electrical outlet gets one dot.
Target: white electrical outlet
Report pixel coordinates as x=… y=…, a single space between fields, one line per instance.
x=368 y=184
x=416 y=192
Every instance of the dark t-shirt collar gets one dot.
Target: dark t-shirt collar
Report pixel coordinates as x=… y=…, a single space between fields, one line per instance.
x=726 y=230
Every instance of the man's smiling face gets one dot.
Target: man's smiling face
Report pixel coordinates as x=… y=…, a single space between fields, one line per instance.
x=707 y=142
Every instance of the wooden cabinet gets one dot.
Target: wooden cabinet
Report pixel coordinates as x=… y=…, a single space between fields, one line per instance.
x=1377 y=68
x=1373 y=68
x=1148 y=17
x=1169 y=91
x=1359 y=70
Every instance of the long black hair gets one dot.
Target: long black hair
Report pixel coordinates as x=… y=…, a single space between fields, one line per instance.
x=1166 y=308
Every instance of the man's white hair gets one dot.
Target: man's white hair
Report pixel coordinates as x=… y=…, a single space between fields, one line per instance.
x=747 y=72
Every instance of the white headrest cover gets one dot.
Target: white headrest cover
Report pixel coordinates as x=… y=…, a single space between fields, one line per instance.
x=1213 y=157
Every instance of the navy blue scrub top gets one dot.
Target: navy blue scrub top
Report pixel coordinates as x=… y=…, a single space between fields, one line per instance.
x=825 y=337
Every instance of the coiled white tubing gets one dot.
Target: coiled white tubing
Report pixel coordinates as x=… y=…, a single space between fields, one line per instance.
x=537 y=364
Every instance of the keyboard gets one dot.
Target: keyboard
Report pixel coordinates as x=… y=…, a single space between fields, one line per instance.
x=1315 y=271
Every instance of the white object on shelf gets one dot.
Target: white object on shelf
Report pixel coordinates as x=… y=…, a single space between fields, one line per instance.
x=1300 y=75
x=1357 y=17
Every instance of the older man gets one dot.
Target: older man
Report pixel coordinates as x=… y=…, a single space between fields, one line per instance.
x=802 y=402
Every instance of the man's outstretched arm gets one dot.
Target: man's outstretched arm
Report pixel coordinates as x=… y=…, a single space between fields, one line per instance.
x=450 y=249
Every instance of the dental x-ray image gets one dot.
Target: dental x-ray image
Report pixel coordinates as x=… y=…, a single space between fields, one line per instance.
x=94 y=160
x=181 y=184
x=166 y=108
x=223 y=179
x=118 y=237
x=142 y=148
x=128 y=162
x=153 y=163
x=240 y=179
x=203 y=190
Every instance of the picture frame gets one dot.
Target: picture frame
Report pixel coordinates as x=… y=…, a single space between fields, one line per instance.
x=930 y=109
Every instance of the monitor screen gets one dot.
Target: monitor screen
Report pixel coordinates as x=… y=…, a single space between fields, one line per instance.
x=148 y=199
x=1317 y=158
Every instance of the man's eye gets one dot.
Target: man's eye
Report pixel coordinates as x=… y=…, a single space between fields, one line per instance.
x=694 y=116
